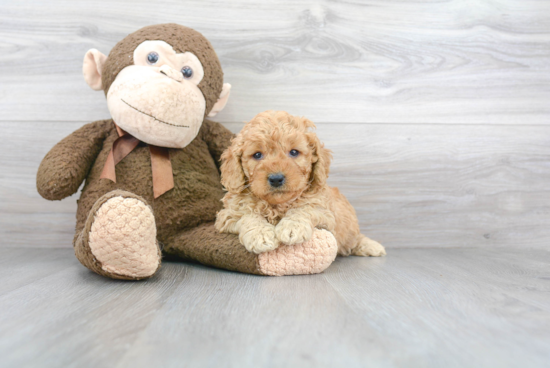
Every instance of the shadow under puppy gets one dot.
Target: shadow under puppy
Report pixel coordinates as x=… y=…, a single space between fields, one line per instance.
x=275 y=172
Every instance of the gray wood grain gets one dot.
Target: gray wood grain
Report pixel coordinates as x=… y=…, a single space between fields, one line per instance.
x=411 y=185
x=457 y=310
x=74 y=317
x=413 y=308
x=19 y=268
x=334 y=61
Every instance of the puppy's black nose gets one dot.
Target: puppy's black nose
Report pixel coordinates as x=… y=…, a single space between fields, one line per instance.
x=276 y=180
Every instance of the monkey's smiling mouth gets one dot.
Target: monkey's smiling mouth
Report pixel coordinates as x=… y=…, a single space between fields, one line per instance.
x=151 y=116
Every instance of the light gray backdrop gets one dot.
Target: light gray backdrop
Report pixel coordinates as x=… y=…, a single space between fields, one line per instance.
x=437 y=111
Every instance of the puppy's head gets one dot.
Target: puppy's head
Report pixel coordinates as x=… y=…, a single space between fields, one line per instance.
x=277 y=157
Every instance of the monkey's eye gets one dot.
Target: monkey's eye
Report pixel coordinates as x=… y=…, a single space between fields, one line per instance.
x=187 y=72
x=152 y=58
x=294 y=153
x=258 y=155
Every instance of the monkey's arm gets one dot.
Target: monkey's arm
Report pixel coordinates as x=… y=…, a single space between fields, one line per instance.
x=67 y=164
x=217 y=137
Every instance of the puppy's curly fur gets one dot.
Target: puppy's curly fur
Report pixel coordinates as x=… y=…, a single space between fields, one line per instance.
x=275 y=172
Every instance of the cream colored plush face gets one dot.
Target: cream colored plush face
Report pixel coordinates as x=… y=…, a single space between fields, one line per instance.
x=154 y=101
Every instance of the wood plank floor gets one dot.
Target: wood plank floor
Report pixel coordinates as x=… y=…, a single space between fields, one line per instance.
x=414 y=308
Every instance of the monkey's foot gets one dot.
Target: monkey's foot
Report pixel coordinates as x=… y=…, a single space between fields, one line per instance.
x=312 y=256
x=119 y=239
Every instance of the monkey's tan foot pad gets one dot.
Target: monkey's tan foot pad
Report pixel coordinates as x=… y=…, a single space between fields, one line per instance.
x=122 y=237
x=313 y=256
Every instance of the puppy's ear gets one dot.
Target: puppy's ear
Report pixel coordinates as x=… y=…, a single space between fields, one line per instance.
x=321 y=162
x=232 y=173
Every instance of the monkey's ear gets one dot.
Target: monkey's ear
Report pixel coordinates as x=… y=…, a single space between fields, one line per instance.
x=220 y=104
x=93 y=67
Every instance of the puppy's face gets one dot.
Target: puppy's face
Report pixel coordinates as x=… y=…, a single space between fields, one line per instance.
x=277 y=157
x=277 y=163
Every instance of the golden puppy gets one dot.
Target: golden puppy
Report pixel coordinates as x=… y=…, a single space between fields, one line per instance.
x=275 y=172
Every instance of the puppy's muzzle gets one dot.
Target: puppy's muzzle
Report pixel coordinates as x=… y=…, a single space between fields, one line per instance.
x=276 y=180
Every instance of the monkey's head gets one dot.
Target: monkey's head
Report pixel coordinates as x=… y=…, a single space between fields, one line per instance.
x=160 y=83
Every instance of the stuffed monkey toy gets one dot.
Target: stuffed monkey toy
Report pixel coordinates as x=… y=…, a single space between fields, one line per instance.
x=152 y=180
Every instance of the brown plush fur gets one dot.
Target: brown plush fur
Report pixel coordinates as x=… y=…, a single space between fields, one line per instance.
x=265 y=216
x=179 y=213
x=182 y=39
x=184 y=215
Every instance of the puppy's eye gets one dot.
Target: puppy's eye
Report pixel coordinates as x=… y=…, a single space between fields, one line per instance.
x=294 y=153
x=258 y=155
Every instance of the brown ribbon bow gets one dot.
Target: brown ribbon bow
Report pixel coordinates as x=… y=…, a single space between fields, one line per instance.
x=163 y=178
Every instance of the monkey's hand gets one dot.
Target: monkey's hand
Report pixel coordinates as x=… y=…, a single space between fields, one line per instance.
x=67 y=164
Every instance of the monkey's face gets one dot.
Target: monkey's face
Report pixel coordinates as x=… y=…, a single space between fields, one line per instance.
x=160 y=83
x=157 y=99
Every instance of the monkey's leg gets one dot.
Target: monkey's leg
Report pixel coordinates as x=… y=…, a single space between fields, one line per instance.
x=119 y=238
x=206 y=245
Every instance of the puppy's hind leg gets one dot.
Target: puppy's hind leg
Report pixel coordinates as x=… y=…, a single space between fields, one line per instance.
x=368 y=248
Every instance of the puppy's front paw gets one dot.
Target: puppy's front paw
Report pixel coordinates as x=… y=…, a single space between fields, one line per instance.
x=293 y=232
x=259 y=240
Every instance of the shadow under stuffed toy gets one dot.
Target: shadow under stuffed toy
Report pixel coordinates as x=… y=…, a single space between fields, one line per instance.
x=151 y=172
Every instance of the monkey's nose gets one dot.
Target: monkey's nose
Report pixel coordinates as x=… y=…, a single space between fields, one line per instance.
x=171 y=73
x=276 y=180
